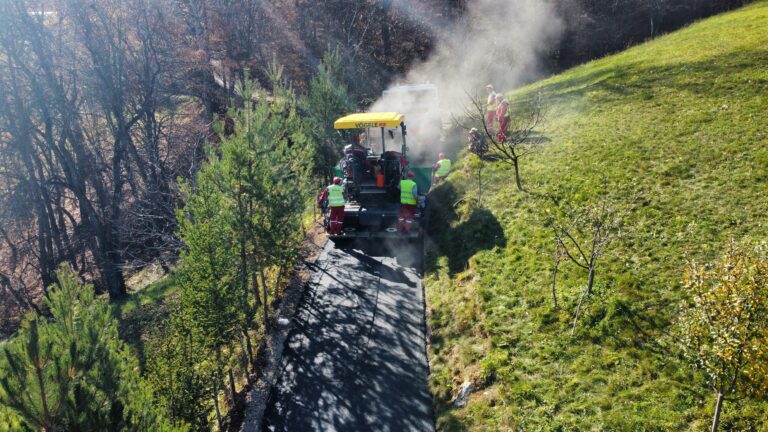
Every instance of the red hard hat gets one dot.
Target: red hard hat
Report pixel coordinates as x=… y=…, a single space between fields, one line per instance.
x=411 y=174
x=441 y=155
x=337 y=180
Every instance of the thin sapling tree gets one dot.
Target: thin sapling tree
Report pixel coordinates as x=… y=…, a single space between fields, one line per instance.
x=582 y=236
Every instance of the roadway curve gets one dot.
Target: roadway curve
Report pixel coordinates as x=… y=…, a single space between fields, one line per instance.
x=355 y=359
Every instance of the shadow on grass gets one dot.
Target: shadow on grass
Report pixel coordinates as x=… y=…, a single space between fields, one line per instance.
x=141 y=312
x=449 y=422
x=458 y=241
x=536 y=137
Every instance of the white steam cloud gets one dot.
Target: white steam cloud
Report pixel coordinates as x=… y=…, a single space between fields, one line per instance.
x=498 y=42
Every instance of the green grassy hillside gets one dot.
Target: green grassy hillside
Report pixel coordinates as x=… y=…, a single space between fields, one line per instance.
x=679 y=129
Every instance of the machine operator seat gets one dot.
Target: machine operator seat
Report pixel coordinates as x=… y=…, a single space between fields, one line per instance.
x=392 y=165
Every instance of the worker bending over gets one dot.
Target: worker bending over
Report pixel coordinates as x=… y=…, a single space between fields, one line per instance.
x=440 y=169
x=477 y=144
x=333 y=197
x=408 y=198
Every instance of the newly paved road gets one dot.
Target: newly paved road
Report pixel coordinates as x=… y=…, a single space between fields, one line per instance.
x=355 y=360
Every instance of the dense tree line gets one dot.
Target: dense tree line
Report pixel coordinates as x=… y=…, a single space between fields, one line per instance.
x=239 y=231
x=594 y=28
x=241 y=226
x=105 y=104
x=93 y=138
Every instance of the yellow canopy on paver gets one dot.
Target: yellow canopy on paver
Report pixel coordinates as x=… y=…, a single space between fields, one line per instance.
x=369 y=120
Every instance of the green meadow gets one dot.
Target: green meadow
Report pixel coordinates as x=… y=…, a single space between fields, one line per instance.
x=674 y=133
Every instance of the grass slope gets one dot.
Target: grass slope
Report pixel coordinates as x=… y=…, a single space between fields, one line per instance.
x=678 y=128
x=141 y=312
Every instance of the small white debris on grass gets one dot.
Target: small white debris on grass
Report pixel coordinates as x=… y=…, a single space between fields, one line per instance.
x=464 y=391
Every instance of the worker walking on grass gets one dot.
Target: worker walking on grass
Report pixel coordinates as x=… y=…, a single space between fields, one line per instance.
x=408 y=198
x=490 y=107
x=440 y=169
x=333 y=197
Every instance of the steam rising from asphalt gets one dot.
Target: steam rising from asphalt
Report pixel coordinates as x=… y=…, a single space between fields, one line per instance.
x=498 y=42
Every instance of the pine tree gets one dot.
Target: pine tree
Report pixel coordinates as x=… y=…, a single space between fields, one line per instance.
x=326 y=100
x=242 y=218
x=267 y=165
x=179 y=371
x=287 y=170
x=10 y=421
x=210 y=305
x=72 y=372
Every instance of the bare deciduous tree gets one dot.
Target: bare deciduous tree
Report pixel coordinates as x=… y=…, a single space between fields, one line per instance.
x=89 y=133
x=582 y=236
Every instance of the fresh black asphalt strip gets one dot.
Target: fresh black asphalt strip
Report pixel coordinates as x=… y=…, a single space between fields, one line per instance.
x=355 y=360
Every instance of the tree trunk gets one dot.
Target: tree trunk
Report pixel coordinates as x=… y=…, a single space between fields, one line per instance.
x=266 y=309
x=112 y=267
x=256 y=294
x=216 y=401
x=554 y=275
x=41 y=385
x=45 y=252
x=584 y=295
x=43 y=399
x=71 y=255
x=718 y=409
x=247 y=347
x=480 y=183
x=114 y=270
x=233 y=389
x=653 y=30
x=578 y=310
x=519 y=183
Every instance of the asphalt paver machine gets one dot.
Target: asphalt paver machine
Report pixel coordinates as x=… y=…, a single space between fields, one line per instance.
x=375 y=160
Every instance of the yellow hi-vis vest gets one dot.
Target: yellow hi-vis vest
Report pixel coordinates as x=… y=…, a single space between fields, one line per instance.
x=492 y=105
x=445 y=167
x=406 y=192
x=336 y=196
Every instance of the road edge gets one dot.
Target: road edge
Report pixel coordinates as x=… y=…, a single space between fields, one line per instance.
x=258 y=397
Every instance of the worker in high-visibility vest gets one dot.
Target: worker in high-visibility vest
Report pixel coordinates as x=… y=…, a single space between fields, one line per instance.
x=440 y=169
x=333 y=197
x=490 y=107
x=409 y=194
x=502 y=118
